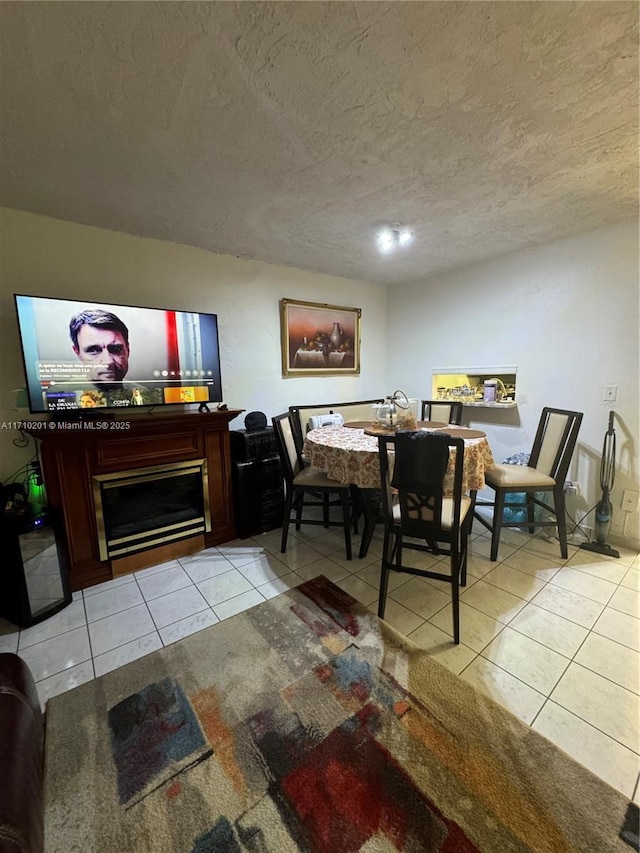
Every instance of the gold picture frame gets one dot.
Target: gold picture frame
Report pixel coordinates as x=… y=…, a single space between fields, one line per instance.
x=318 y=339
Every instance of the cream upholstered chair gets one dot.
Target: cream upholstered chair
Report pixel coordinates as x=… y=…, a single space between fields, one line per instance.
x=416 y=508
x=302 y=484
x=354 y=410
x=551 y=454
x=446 y=411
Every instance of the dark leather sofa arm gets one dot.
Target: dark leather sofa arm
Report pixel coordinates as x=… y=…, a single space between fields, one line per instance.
x=21 y=759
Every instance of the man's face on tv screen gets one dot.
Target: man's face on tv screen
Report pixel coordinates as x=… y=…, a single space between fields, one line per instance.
x=106 y=351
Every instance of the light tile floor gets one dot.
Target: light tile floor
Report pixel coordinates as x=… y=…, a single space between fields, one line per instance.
x=557 y=642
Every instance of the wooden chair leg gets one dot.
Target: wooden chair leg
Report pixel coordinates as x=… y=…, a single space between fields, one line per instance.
x=356 y=507
x=395 y=557
x=325 y=509
x=397 y=551
x=531 y=513
x=288 y=506
x=455 y=596
x=558 y=502
x=464 y=550
x=299 y=504
x=384 y=575
x=498 y=512
x=465 y=531
x=346 y=518
x=370 y=510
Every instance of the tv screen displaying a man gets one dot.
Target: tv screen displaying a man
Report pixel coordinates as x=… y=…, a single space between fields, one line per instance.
x=87 y=355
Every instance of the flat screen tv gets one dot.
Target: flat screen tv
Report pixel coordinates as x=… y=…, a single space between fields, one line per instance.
x=83 y=354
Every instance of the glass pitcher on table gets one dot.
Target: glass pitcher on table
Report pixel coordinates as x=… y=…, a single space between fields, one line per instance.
x=395 y=413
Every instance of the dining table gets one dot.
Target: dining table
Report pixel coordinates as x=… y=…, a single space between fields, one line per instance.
x=349 y=455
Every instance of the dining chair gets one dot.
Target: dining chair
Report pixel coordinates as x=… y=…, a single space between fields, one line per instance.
x=415 y=507
x=553 y=447
x=354 y=410
x=303 y=485
x=447 y=411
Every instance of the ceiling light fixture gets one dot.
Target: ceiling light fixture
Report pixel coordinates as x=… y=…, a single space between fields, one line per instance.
x=392 y=237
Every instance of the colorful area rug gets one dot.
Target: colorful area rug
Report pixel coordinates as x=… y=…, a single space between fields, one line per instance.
x=308 y=724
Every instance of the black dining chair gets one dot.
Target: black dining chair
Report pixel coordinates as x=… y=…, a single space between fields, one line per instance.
x=546 y=471
x=307 y=487
x=351 y=410
x=412 y=470
x=445 y=411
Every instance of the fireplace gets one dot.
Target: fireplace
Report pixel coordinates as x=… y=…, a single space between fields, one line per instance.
x=77 y=467
x=143 y=508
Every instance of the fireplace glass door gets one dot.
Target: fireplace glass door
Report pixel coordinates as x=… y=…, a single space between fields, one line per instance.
x=147 y=507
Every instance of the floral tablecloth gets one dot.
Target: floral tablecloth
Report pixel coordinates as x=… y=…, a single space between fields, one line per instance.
x=349 y=456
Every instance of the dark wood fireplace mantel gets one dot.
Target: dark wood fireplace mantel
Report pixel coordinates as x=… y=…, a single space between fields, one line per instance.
x=73 y=451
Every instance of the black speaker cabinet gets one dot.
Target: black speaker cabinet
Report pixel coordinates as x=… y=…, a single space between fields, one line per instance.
x=34 y=578
x=249 y=445
x=258 y=494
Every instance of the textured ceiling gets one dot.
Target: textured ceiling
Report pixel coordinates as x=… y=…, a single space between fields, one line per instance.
x=290 y=131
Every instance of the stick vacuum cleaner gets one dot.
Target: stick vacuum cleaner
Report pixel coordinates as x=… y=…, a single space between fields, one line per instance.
x=603 y=507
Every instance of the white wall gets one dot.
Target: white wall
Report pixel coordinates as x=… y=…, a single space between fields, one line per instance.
x=567 y=315
x=49 y=257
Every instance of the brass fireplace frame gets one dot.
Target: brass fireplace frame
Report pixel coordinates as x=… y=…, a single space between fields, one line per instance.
x=110 y=549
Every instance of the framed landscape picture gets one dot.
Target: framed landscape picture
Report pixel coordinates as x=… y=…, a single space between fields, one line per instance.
x=319 y=339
